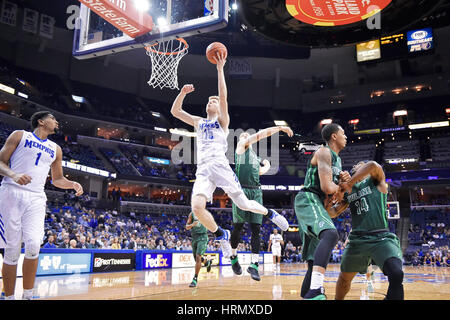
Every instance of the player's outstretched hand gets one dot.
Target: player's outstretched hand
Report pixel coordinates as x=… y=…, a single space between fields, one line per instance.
x=288 y=131
x=78 y=189
x=220 y=59
x=22 y=179
x=345 y=176
x=187 y=88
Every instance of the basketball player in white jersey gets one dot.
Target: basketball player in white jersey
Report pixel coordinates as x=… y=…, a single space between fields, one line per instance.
x=25 y=161
x=213 y=169
x=275 y=242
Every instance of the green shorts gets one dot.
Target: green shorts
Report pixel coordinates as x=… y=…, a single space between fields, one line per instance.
x=312 y=220
x=361 y=250
x=240 y=216
x=199 y=244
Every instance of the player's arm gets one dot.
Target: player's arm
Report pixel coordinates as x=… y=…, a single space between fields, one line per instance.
x=224 y=117
x=270 y=243
x=370 y=168
x=189 y=223
x=323 y=156
x=335 y=209
x=261 y=134
x=264 y=167
x=5 y=155
x=58 y=179
x=177 y=107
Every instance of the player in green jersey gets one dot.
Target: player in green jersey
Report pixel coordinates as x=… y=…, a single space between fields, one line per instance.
x=370 y=238
x=319 y=235
x=248 y=169
x=199 y=242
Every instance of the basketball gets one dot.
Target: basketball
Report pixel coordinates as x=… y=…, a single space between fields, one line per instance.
x=212 y=49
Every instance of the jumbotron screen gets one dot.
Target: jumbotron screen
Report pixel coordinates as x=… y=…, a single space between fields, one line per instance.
x=367 y=51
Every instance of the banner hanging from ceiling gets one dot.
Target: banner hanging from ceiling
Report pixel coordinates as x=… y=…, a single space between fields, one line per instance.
x=329 y=13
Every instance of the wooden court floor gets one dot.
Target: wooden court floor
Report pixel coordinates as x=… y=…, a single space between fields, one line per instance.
x=420 y=283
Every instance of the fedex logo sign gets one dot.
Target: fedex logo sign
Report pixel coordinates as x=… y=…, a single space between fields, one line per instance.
x=157 y=260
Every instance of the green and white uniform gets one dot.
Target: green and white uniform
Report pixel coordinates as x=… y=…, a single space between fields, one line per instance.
x=311 y=214
x=370 y=238
x=199 y=235
x=247 y=170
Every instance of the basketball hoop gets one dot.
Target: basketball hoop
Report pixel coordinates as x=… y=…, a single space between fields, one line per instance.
x=165 y=57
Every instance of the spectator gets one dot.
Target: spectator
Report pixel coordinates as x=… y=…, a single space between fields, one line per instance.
x=65 y=244
x=50 y=242
x=73 y=244
x=116 y=244
x=160 y=245
x=82 y=244
x=92 y=244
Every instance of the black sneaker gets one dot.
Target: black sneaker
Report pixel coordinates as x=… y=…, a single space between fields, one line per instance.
x=193 y=283
x=316 y=294
x=254 y=273
x=208 y=265
x=235 y=265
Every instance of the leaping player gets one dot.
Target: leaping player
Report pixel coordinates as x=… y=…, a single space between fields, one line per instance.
x=25 y=160
x=213 y=169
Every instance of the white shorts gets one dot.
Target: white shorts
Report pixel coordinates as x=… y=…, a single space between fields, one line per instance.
x=22 y=215
x=213 y=174
x=276 y=251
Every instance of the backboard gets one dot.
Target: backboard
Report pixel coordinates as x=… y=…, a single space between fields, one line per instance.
x=393 y=210
x=94 y=36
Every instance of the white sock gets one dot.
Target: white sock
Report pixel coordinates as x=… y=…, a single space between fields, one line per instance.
x=255 y=258
x=316 y=280
x=234 y=252
x=28 y=293
x=10 y=298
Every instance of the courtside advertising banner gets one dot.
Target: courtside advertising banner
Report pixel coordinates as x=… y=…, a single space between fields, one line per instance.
x=268 y=258
x=244 y=259
x=63 y=263
x=215 y=257
x=182 y=260
x=156 y=260
x=106 y=262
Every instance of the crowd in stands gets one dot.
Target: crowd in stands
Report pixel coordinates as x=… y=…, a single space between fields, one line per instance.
x=429 y=237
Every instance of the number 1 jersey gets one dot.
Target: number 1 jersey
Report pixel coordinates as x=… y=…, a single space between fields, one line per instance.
x=33 y=156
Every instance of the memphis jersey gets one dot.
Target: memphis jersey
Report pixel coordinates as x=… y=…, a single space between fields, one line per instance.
x=33 y=157
x=276 y=239
x=211 y=141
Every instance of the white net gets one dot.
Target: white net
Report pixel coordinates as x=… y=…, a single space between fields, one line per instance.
x=165 y=57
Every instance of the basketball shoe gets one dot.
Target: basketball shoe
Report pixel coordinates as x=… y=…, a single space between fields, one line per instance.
x=235 y=265
x=316 y=294
x=278 y=219
x=253 y=270
x=225 y=245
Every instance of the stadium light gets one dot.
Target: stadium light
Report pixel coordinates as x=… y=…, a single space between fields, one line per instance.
x=354 y=121
x=400 y=113
x=161 y=21
x=447 y=110
x=142 y=5
x=234 y=6
x=326 y=121
x=280 y=123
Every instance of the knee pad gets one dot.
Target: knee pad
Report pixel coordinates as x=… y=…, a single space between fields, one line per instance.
x=330 y=235
x=12 y=256
x=393 y=270
x=32 y=249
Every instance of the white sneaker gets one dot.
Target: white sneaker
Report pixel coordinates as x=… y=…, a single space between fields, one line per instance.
x=279 y=220
x=225 y=243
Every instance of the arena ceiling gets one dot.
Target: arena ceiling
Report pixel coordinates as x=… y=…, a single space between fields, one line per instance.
x=271 y=19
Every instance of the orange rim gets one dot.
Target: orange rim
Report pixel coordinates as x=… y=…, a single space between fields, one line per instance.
x=150 y=48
